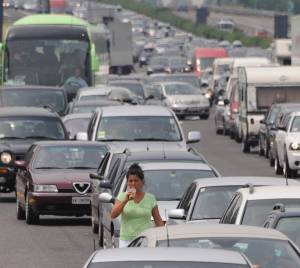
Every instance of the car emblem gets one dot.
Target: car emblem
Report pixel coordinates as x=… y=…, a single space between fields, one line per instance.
x=81 y=187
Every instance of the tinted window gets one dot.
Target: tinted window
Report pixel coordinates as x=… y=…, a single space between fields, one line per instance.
x=211 y=202
x=25 y=127
x=69 y=157
x=266 y=253
x=272 y=115
x=257 y=210
x=135 y=128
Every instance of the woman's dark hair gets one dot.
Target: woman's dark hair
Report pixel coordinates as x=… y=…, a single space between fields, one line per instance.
x=136 y=170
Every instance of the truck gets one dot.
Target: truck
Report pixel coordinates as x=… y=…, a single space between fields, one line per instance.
x=259 y=88
x=120 y=48
x=282 y=51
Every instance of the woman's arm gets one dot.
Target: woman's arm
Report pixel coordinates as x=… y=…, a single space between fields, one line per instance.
x=157 y=218
x=119 y=206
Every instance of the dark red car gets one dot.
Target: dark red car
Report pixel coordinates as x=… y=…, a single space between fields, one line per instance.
x=54 y=179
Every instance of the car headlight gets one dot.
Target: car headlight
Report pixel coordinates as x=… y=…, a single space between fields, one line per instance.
x=294 y=146
x=6 y=157
x=42 y=188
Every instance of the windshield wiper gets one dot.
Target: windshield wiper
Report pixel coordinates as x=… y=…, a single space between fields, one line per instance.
x=40 y=137
x=78 y=167
x=48 y=168
x=11 y=138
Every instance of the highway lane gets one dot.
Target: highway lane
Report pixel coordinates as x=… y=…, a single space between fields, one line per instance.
x=67 y=242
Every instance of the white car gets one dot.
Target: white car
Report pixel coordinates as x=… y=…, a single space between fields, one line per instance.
x=288 y=146
x=250 y=206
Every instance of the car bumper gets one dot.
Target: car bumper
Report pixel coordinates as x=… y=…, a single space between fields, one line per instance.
x=65 y=204
x=294 y=160
x=7 y=179
x=191 y=110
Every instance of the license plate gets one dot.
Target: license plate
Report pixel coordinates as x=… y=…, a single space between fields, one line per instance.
x=2 y=180
x=81 y=200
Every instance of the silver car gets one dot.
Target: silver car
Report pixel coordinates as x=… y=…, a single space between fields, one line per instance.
x=266 y=248
x=167 y=258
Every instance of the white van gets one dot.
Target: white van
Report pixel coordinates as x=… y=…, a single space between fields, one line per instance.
x=259 y=88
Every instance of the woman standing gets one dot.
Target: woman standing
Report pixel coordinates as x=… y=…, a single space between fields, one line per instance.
x=136 y=207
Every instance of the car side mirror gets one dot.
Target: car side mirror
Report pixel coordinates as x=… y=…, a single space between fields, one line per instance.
x=81 y=136
x=20 y=164
x=105 y=185
x=106 y=198
x=95 y=176
x=193 y=137
x=177 y=214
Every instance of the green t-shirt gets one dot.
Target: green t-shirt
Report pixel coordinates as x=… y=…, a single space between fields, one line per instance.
x=136 y=218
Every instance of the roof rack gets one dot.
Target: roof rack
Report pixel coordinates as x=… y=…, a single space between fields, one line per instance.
x=250 y=186
x=279 y=206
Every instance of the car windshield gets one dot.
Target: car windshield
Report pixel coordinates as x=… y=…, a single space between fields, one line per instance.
x=170 y=184
x=290 y=226
x=24 y=127
x=211 y=202
x=69 y=157
x=35 y=98
x=74 y=126
x=139 y=128
x=163 y=264
x=296 y=124
x=181 y=89
x=267 y=253
x=257 y=210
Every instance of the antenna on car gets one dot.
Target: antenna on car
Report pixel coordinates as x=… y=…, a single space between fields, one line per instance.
x=167 y=229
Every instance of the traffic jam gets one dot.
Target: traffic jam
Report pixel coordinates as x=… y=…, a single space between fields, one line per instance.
x=102 y=112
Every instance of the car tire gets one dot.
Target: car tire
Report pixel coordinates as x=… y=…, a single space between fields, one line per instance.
x=30 y=216
x=204 y=116
x=245 y=146
x=277 y=167
x=219 y=131
x=271 y=160
x=95 y=226
x=287 y=171
x=20 y=211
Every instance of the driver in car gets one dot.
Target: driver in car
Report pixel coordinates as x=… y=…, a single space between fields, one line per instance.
x=76 y=81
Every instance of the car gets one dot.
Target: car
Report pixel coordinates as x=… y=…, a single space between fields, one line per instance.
x=116 y=161
x=76 y=123
x=285 y=220
x=251 y=206
x=34 y=96
x=206 y=200
x=287 y=144
x=167 y=257
x=19 y=128
x=183 y=99
x=268 y=127
x=265 y=248
x=177 y=64
x=53 y=179
x=137 y=131
x=157 y=64
x=167 y=181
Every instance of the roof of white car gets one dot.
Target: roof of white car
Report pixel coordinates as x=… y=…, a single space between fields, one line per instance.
x=213 y=230
x=168 y=254
x=175 y=166
x=135 y=110
x=95 y=91
x=76 y=116
x=272 y=192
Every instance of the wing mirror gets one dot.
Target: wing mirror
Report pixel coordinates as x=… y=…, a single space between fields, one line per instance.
x=176 y=214
x=21 y=164
x=106 y=198
x=193 y=137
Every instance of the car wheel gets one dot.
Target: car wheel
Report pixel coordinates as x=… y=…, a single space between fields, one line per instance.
x=30 y=216
x=20 y=211
x=287 y=171
x=100 y=236
x=245 y=146
x=277 y=167
x=95 y=226
x=219 y=131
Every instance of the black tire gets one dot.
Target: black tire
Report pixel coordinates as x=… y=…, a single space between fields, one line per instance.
x=219 y=131
x=30 y=216
x=287 y=171
x=245 y=146
x=277 y=167
x=204 y=116
x=271 y=161
x=237 y=138
x=20 y=211
x=95 y=227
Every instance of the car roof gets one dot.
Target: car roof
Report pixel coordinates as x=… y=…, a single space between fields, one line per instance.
x=169 y=254
x=135 y=110
x=213 y=230
x=95 y=91
x=85 y=103
x=69 y=143
x=241 y=180
x=175 y=165
x=272 y=192
x=77 y=116
x=26 y=111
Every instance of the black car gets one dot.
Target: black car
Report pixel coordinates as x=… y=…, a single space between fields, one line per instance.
x=285 y=220
x=19 y=128
x=115 y=162
x=34 y=96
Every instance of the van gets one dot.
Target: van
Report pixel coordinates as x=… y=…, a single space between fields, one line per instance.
x=259 y=88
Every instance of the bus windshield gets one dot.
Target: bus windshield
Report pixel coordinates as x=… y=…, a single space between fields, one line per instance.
x=48 y=62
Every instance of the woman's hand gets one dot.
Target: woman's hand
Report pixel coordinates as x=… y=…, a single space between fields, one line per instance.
x=157 y=218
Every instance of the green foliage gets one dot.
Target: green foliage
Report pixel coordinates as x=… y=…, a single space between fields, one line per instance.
x=166 y=15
